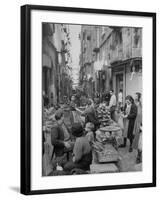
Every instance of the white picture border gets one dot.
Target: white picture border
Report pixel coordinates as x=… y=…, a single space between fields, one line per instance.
x=58 y=182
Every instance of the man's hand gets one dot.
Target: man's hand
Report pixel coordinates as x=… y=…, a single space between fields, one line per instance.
x=73 y=159
x=67 y=145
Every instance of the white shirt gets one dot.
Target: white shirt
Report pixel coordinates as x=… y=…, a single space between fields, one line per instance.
x=120 y=97
x=112 y=101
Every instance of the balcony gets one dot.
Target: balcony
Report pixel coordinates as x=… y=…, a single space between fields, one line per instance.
x=117 y=54
x=96 y=49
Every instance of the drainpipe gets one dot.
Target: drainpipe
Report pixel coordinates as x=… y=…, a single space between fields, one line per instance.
x=125 y=77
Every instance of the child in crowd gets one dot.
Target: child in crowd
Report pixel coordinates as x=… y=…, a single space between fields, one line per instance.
x=89 y=128
x=90 y=135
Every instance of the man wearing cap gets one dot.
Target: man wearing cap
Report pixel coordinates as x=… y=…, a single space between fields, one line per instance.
x=82 y=153
x=60 y=138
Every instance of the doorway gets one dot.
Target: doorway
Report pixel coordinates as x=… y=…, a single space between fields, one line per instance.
x=119 y=83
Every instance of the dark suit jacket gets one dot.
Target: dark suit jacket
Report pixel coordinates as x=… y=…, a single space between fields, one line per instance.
x=90 y=116
x=57 y=140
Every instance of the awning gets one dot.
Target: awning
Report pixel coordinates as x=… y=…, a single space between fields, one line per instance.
x=46 y=61
x=122 y=62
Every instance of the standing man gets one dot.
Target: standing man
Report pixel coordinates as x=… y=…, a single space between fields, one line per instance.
x=120 y=99
x=112 y=104
x=73 y=103
x=60 y=140
x=107 y=97
x=90 y=114
x=45 y=100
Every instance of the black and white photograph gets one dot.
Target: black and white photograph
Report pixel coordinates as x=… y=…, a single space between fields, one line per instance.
x=92 y=99
x=88 y=99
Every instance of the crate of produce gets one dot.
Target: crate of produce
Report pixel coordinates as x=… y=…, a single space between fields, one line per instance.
x=109 y=154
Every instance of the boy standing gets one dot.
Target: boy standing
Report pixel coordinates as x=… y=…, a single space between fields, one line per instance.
x=89 y=128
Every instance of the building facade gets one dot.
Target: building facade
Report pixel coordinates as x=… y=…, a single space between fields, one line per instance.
x=112 y=56
x=126 y=60
x=56 y=76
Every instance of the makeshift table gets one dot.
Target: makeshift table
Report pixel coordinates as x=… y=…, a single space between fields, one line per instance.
x=105 y=150
x=105 y=157
x=111 y=129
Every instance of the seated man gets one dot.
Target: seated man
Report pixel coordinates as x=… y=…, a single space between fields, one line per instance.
x=82 y=154
x=112 y=105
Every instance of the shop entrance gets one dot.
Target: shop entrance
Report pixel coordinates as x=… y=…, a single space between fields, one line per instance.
x=119 y=83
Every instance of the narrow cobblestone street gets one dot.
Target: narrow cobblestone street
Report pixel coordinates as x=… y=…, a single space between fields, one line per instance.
x=92 y=79
x=128 y=160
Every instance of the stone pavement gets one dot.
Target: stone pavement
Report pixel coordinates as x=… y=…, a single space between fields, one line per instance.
x=127 y=162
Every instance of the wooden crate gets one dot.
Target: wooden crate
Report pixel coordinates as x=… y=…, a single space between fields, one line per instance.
x=104 y=168
x=109 y=154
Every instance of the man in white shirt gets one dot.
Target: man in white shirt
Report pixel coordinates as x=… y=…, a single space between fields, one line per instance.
x=112 y=104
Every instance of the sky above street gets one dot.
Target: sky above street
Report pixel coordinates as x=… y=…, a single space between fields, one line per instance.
x=75 y=51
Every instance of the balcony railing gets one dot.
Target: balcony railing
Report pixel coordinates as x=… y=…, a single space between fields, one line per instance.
x=96 y=49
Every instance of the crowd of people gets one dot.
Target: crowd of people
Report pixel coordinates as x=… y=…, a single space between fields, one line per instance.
x=72 y=143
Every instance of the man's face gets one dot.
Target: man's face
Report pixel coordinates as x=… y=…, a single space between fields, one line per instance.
x=73 y=98
x=128 y=102
x=87 y=129
x=136 y=97
x=43 y=93
x=111 y=92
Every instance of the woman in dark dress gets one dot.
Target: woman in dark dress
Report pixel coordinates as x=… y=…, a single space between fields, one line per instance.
x=138 y=121
x=131 y=116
